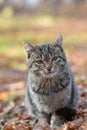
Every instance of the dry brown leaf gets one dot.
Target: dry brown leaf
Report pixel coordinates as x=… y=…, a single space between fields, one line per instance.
x=9 y=126
x=63 y=127
x=84 y=124
x=81 y=128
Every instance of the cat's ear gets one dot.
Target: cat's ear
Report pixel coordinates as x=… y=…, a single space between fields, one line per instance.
x=28 y=48
x=58 y=41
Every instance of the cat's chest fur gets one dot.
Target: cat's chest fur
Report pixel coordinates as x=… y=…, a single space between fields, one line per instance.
x=46 y=94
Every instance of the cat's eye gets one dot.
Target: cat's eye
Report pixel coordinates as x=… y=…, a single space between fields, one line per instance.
x=54 y=58
x=39 y=61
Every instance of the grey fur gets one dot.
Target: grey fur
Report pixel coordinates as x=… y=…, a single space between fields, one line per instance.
x=50 y=83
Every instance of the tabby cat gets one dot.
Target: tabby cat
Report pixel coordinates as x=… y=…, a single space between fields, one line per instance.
x=51 y=92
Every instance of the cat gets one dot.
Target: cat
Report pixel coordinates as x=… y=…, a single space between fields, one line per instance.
x=51 y=92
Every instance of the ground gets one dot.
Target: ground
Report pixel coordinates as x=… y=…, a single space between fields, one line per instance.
x=13 y=72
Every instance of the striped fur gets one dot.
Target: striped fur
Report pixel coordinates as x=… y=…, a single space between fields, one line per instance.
x=50 y=83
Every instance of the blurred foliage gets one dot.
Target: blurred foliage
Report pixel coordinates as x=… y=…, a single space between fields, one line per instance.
x=1 y=1
x=36 y=29
x=7 y=12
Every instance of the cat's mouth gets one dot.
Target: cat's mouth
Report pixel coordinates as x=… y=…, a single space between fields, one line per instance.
x=49 y=74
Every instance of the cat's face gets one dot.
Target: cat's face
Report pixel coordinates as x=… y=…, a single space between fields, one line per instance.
x=45 y=60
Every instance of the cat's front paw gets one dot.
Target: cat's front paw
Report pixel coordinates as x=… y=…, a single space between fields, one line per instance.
x=57 y=121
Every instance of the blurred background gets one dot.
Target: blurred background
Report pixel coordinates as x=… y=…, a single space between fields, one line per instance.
x=40 y=21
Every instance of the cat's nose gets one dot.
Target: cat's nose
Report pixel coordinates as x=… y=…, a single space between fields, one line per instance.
x=48 y=67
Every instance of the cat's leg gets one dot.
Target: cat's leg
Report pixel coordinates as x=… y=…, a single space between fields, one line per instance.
x=60 y=116
x=39 y=117
x=31 y=110
x=56 y=120
x=36 y=115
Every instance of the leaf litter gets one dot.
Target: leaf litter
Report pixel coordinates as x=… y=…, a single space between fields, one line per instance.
x=13 y=115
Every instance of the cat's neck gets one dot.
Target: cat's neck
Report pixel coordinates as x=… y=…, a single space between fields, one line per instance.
x=42 y=85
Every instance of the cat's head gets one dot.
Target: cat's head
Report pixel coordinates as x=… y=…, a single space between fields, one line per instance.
x=46 y=60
